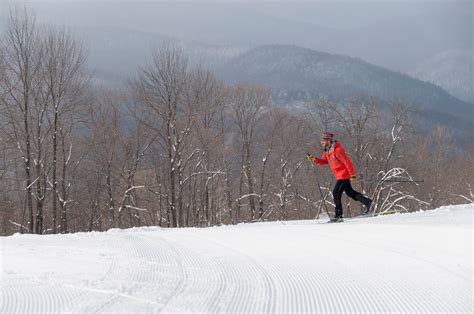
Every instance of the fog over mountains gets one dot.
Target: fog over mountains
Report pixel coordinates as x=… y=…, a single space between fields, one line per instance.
x=296 y=75
x=398 y=35
x=309 y=74
x=452 y=70
x=298 y=49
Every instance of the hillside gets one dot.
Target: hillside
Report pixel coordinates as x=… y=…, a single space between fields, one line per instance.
x=418 y=262
x=297 y=74
x=452 y=70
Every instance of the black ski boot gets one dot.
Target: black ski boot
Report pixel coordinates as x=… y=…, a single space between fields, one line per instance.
x=368 y=206
x=366 y=201
x=336 y=219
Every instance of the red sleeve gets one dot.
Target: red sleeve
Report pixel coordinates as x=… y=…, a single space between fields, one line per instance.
x=342 y=156
x=321 y=161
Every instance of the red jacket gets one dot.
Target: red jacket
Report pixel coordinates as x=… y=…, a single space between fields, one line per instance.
x=337 y=159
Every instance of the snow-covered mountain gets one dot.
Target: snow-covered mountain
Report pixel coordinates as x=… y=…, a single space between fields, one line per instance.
x=452 y=70
x=417 y=262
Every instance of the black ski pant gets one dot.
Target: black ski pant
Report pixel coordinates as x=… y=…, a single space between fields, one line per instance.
x=345 y=186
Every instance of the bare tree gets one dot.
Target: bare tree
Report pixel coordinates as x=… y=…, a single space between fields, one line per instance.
x=21 y=62
x=104 y=160
x=386 y=158
x=162 y=87
x=320 y=115
x=73 y=150
x=63 y=72
x=462 y=186
x=248 y=103
x=357 y=118
x=290 y=156
x=134 y=144
x=226 y=150
x=209 y=96
x=433 y=157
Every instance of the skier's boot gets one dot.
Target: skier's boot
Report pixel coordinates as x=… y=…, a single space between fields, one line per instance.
x=368 y=206
x=336 y=219
x=366 y=201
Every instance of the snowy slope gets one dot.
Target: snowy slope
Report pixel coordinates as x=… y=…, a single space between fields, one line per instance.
x=419 y=262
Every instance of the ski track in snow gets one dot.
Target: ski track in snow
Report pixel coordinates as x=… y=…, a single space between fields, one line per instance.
x=403 y=263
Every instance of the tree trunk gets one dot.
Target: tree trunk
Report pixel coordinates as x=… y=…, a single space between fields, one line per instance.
x=55 y=184
x=248 y=172
x=64 y=191
x=27 y=159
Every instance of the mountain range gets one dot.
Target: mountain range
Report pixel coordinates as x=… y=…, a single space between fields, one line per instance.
x=293 y=74
x=296 y=74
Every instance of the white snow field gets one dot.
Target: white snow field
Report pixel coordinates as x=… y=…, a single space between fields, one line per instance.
x=418 y=262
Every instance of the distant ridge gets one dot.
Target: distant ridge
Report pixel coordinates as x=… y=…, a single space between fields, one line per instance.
x=296 y=74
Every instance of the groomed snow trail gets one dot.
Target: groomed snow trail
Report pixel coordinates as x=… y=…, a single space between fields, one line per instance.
x=419 y=262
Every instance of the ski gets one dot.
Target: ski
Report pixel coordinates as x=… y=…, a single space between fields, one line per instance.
x=335 y=220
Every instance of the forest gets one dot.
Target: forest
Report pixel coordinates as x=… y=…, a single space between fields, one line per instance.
x=177 y=147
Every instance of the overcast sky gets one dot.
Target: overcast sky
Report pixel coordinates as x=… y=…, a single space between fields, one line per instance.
x=398 y=34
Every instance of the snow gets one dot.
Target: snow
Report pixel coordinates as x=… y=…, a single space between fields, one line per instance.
x=417 y=262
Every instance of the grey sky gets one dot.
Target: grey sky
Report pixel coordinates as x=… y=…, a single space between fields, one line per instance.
x=396 y=34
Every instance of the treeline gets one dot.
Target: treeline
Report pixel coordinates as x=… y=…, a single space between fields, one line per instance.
x=179 y=148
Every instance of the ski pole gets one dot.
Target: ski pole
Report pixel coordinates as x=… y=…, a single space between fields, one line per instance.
x=396 y=181
x=320 y=190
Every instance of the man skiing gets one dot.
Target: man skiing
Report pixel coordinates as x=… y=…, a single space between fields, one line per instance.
x=343 y=170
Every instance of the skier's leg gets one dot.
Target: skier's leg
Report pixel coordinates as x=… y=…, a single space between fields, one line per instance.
x=351 y=192
x=337 y=194
x=358 y=197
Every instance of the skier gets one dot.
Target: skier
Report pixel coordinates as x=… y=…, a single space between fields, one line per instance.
x=343 y=170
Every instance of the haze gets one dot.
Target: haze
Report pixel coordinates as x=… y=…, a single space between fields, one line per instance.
x=399 y=35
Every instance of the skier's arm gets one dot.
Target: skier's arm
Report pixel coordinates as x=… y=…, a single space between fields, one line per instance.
x=342 y=156
x=316 y=160
x=321 y=161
